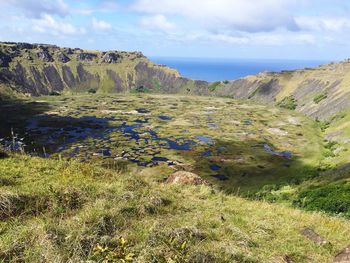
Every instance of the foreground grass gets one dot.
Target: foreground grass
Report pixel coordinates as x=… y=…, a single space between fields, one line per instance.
x=60 y=211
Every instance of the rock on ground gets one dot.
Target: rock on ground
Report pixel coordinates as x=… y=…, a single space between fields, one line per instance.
x=186 y=178
x=343 y=256
x=312 y=235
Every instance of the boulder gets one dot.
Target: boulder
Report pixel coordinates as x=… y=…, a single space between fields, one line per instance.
x=186 y=178
x=343 y=256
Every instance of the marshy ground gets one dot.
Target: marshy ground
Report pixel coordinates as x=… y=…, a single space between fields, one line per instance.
x=235 y=145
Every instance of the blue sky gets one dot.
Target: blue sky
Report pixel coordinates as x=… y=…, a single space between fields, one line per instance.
x=276 y=29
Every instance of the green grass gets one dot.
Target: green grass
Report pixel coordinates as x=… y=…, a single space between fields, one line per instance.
x=58 y=211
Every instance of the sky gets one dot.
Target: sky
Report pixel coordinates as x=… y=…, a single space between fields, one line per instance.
x=253 y=29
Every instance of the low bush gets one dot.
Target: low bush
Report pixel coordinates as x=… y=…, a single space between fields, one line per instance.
x=289 y=103
x=320 y=97
x=333 y=198
x=92 y=91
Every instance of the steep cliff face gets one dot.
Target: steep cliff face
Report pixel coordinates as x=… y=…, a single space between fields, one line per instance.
x=320 y=92
x=38 y=69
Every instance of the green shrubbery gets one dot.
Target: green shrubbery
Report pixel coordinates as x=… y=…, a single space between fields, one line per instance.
x=324 y=125
x=92 y=91
x=330 y=147
x=140 y=89
x=54 y=93
x=320 y=97
x=331 y=198
x=289 y=103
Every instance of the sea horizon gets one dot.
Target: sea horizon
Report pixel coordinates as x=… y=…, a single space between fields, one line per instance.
x=221 y=69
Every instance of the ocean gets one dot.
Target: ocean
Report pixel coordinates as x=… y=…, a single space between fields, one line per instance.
x=230 y=69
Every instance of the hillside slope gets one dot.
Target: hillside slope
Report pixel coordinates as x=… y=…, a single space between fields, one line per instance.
x=320 y=92
x=59 y=211
x=38 y=69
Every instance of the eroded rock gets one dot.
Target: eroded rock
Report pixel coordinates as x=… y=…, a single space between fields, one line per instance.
x=343 y=256
x=4 y=60
x=86 y=56
x=45 y=56
x=186 y=178
x=110 y=58
x=63 y=58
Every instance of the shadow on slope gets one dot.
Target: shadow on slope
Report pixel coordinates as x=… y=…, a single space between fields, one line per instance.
x=29 y=126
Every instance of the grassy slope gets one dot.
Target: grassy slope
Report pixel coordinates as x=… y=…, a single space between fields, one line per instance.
x=53 y=211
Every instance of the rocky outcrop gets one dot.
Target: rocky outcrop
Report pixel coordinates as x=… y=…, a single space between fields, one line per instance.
x=63 y=58
x=110 y=58
x=4 y=60
x=45 y=56
x=86 y=56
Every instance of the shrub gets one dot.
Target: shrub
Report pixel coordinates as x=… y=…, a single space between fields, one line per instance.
x=140 y=89
x=320 y=97
x=324 y=125
x=92 y=91
x=289 y=103
x=333 y=198
x=54 y=93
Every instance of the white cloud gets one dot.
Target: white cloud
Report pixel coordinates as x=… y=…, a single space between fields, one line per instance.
x=103 y=6
x=100 y=25
x=241 y=15
x=157 y=22
x=38 y=8
x=48 y=24
x=327 y=24
x=248 y=39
